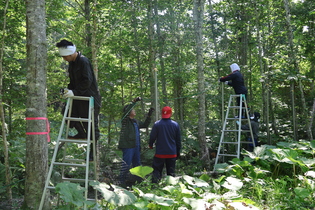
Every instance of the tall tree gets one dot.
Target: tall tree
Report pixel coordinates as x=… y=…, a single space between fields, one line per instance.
x=198 y=19
x=36 y=113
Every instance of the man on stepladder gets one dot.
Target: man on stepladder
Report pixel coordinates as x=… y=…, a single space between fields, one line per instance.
x=82 y=83
x=236 y=80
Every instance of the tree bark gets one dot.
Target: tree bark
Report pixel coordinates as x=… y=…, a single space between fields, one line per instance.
x=36 y=145
x=198 y=19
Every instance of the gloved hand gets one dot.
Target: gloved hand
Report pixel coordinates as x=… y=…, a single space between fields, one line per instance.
x=151 y=110
x=68 y=93
x=226 y=82
x=237 y=122
x=137 y=99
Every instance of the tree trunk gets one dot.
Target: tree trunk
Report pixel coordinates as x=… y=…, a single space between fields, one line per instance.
x=3 y=123
x=93 y=41
x=36 y=144
x=198 y=19
x=151 y=58
x=161 y=43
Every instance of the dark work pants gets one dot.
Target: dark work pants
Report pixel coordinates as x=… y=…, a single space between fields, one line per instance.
x=81 y=109
x=238 y=103
x=158 y=165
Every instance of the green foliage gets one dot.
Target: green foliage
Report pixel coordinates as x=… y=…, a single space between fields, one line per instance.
x=141 y=171
x=72 y=195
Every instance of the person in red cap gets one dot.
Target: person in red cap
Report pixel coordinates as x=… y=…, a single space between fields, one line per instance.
x=166 y=135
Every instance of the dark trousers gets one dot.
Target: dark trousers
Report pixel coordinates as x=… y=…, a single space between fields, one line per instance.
x=81 y=109
x=238 y=103
x=158 y=165
x=131 y=158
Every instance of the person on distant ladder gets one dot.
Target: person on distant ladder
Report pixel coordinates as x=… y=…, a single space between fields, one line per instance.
x=82 y=83
x=236 y=80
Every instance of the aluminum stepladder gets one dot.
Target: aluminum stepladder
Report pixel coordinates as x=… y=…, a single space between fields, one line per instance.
x=231 y=131
x=67 y=161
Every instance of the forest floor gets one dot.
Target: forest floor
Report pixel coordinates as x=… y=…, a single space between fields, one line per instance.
x=15 y=204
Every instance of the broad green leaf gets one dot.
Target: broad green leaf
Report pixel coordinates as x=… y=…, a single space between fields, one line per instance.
x=158 y=199
x=205 y=177
x=196 y=204
x=141 y=171
x=171 y=180
x=310 y=173
x=242 y=206
x=195 y=181
x=232 y=183
x=302 y=192
x=71 y=193
x=113 y=194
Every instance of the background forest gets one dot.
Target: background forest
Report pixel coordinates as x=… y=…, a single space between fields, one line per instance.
x=188 y=47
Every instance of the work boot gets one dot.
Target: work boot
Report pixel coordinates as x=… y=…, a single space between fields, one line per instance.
x=81 y=132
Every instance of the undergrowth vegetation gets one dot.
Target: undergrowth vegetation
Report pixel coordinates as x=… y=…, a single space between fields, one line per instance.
x=270 y=177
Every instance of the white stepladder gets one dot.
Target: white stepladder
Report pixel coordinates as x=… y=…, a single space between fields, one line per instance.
x=68 y=161
x=230 y=141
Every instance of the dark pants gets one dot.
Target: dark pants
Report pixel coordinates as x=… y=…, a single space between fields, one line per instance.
x=158 y=165
x=80 y=108
x=131 y=158
x=238 y=103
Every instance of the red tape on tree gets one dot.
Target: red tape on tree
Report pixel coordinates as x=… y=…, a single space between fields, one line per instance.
x=40 y=133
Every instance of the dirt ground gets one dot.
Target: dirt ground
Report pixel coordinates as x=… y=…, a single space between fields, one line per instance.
x=14 y=205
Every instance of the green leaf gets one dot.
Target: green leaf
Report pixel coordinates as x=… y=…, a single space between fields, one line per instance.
x=158 y=199
x=141 y=171
x=71 y=193
x=196 y=204
x=232 y=183
x=113 y=194
x=171 y=180
x=205 y=177
x=195 y=181
x=302 y=192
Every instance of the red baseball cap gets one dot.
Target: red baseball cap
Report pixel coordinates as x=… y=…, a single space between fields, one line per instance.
x=166 y=112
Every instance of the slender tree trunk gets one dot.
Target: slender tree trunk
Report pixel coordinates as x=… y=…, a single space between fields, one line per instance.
x=88 y=37
x=93 y=41
x=36 y=145
x=3 y=123
x=151 y=59
x=198 y=19
x=294 y=65
x=161 y=43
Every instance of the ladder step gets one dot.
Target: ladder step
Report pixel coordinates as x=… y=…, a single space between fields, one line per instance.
x=69 y=164
x=79 y=141
x=236 y=130
x=74 y=160
x=51 y=187
x=233 y=142
x=228 y=155
x=73 y=179
x=236 y=107
x=237 y=118
x=77 y=119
